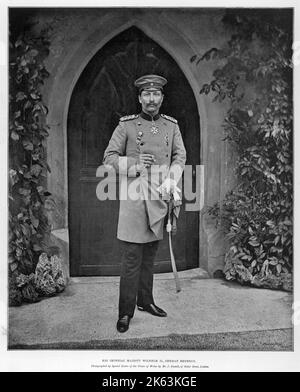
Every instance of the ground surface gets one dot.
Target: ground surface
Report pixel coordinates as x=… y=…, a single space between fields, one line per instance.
x=208 y=314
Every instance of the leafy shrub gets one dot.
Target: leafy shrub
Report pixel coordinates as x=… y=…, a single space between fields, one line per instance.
x=254 y=73
x=28 y=223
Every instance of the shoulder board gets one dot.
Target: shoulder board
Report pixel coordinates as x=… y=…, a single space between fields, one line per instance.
x=169 y=118
x=127 y=118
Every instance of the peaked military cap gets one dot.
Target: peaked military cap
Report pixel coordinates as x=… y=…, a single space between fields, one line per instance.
x=150 y=81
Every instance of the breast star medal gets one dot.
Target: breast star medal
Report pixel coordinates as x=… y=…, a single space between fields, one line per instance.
x=154 y=129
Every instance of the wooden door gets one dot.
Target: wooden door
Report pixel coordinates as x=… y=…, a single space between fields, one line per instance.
x=104 y=93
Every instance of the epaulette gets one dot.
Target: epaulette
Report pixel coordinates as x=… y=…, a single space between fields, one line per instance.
x=169 y=118
x=130 y=117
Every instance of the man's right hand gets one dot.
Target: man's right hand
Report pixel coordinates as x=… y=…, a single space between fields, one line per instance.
x=145 y=160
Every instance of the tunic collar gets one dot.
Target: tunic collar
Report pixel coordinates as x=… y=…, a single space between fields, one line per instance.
x=147 y=117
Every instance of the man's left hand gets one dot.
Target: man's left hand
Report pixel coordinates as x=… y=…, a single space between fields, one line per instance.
x=169 y=186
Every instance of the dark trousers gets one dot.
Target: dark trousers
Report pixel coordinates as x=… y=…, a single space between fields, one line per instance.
x=136 y=281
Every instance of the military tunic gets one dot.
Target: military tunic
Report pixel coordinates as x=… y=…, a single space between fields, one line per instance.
x=141 y=217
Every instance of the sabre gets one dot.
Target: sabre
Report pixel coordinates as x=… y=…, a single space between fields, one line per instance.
x=169 y=231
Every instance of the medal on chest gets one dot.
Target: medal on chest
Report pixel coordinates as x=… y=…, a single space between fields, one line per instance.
x=139 y=140
x=154 y=129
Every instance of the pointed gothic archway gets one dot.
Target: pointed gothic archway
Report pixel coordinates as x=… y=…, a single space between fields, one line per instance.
x=102 y=94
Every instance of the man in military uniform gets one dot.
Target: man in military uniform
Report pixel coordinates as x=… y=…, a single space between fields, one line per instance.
x=148 y=152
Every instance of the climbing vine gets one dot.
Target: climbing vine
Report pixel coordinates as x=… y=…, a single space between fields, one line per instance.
x=28 y=131
x=254 y=74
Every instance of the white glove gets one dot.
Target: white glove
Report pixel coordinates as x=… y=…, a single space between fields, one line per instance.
x=169 y=186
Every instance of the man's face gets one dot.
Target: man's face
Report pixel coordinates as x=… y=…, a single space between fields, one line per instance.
x=151 y=100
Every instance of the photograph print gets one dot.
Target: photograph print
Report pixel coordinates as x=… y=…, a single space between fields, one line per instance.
x=150 y=179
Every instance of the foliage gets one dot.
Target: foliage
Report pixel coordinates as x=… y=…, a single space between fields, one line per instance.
x=28 y=198
x=254 y=74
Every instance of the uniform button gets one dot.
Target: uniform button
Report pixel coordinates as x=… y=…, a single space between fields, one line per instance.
x=142 y=143
x=167 y=155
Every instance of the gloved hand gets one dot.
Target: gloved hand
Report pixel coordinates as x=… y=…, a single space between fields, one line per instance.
x=169 y=186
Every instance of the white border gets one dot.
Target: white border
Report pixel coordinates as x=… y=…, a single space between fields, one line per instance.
x=82 y=360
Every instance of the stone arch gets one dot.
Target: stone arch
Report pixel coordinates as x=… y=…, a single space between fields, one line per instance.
x=66 y=77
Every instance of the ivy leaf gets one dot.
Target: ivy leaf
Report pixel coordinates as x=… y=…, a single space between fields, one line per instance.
x=50 y=204
x=28 y=145
x=34 y=96
x=244 y=171
x=26 y=230
x=34 y=75
x=13 y=266
x=27 y=105
x=20 y=96
x=44 y=133
x=35 y=170
x=35 y=222
x=39 y=107
x=253 y=243
x=35 y=156
x=28 y=176
x=14 y=136
x=273 y=261
x=253 y=264
x=205 y=89
x=13 y=176
x=246 y=257
x=18 y=43
x=19 y=127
